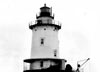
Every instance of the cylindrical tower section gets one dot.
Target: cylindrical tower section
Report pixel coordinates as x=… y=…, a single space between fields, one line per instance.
x=45 y=43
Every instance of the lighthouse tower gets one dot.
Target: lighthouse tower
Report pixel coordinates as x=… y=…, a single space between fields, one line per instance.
x=45 y=44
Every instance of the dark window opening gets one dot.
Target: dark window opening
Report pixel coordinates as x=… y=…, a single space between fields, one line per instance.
x=41 y=64
x=35 y=29
x=42 y=41
x=55 y=53
x=39 y=21
x=44 y=28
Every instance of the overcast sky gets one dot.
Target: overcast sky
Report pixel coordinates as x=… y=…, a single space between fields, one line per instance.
x=79 y=37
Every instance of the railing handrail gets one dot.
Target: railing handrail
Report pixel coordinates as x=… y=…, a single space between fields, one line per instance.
x=53 y=22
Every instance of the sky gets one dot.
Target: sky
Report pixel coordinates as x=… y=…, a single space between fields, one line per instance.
x=79 y=37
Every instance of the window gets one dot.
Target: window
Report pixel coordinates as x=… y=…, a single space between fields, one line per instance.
x=41 y=64
x=35 y=29
x=42 y=41
x=55 y=53
x=44 y=28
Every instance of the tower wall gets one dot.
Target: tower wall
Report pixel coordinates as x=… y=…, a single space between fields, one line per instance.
x=45 y=43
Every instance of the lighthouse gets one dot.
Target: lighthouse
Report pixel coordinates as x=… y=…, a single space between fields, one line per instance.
x=45 y=44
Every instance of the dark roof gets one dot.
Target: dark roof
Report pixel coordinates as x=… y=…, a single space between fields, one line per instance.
x=38 y=59
x=44 y=7
x=53 y=25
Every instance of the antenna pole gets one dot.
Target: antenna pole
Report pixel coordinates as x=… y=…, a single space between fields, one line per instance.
x=78 y=65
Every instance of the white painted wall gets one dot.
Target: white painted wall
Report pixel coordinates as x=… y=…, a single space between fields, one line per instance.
x=51 y=42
